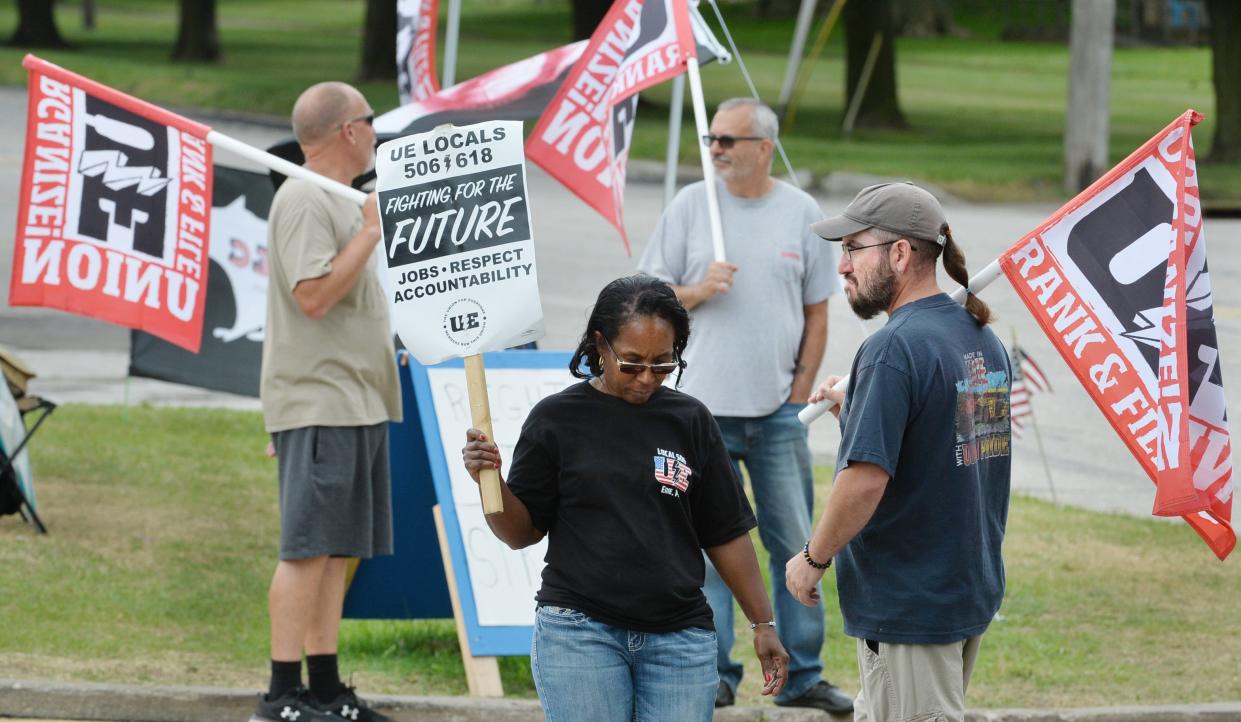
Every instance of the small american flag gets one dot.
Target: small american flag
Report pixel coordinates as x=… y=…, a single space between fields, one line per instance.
x=1028 y=379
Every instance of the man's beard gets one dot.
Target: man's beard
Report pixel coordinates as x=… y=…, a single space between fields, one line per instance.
x=875 y=295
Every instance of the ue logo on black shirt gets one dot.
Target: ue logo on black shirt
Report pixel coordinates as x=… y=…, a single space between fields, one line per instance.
x=672 y=471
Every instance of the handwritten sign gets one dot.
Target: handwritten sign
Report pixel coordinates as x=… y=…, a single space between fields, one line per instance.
x=497 y=584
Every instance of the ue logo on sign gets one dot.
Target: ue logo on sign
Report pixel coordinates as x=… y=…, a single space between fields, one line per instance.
x=464 y=321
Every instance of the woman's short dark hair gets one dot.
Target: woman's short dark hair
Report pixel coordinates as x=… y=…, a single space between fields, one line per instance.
x=624 y=300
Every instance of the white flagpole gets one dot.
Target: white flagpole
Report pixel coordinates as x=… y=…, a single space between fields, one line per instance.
x=804 y=17
x=980 y=281
x=708 y=169
x=449 y=75
x=293 y=170
x=675 y=107
x=280 y=165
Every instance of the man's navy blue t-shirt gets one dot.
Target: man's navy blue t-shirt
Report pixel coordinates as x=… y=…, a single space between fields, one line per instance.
x=928 y=402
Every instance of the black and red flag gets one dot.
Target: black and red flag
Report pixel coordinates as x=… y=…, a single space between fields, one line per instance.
x=415 y=49
x=1118 y=281
x=516 y=91
x=113 y=218
x=582 y=139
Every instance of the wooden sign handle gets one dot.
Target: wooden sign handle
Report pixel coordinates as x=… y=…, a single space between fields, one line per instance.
x=480 y=418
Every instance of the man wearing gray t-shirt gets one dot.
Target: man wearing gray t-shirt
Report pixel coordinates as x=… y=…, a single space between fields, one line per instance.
x=760 y=330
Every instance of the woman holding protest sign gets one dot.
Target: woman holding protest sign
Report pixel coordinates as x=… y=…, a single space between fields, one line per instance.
x=630 y=481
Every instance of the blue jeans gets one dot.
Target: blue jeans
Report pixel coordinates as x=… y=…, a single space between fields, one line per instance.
x=587 y=670
x=777 y=456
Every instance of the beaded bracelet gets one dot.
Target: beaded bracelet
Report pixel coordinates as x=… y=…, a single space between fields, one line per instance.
x=756 y=625
x=805 y=552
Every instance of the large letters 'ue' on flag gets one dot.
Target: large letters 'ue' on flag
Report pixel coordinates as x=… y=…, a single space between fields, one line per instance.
x=114 y=209
x=582 y=139
x=1118 y=280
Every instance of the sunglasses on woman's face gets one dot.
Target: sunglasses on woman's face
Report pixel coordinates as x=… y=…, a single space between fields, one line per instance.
x=634 y=368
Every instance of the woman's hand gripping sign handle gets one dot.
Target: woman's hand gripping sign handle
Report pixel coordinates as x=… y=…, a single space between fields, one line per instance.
x=480 y=416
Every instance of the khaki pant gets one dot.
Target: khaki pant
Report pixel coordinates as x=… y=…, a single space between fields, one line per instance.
x=914 y=682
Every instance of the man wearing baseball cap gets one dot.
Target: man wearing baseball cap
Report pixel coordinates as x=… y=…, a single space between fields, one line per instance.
x=916 y=515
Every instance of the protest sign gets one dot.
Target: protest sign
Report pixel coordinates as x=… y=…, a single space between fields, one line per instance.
x=459 y=249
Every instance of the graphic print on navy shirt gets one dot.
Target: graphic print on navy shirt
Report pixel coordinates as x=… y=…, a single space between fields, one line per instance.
x=982 y=418
x=672 y=471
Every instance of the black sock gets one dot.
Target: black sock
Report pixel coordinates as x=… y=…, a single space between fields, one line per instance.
x=285 y=677
x=324 y=675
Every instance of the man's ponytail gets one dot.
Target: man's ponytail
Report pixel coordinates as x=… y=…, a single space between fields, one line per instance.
x=954 y=265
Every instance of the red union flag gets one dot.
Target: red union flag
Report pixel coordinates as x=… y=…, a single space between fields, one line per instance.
x=582 y=139
x=1118 y=280
x=115 y=202
x=415 y=49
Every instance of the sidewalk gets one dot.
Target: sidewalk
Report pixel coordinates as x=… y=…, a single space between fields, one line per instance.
x=124 y=703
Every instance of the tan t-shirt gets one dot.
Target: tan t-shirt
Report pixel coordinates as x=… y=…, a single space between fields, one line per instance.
x=338 y=370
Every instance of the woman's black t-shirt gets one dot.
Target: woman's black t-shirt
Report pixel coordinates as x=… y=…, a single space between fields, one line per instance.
x=629 y=495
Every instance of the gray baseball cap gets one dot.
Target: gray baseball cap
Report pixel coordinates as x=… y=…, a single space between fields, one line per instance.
x=901 y=208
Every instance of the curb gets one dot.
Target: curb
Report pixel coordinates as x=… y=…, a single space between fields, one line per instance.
x=134 y=703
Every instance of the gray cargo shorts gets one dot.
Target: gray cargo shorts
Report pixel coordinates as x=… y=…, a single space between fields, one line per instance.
x=335 y=491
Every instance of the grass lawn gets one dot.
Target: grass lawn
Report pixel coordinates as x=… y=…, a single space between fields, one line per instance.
x=163 y=535
x=986 y=116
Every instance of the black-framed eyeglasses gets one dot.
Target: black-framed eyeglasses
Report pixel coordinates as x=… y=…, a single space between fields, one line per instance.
x=633 y=368
x=369 y=119
x=728 y=141
x=850 y=249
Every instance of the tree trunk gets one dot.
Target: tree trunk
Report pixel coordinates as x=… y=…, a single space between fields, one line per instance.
x=863 y=19
x=587 y=14
x=379 y=41
x=1091 y=37
x=1225 y=18
x=198 y=40
x=925 y=18
x=36 y=26
x=772 y=9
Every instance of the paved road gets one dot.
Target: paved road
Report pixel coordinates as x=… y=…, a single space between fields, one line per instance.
x=85 y=361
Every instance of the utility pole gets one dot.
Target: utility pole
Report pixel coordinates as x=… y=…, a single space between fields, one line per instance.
x=1090 y=70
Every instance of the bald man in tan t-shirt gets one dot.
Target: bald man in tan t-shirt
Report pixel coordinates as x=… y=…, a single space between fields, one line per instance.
x=329 y=388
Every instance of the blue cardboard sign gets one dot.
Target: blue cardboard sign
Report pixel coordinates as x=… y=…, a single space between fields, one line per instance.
x=495 y=584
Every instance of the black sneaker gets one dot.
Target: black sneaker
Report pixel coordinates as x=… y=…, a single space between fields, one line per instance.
x=296 y=705
x=724 y=696
x=824 y=696
x=348 y=706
